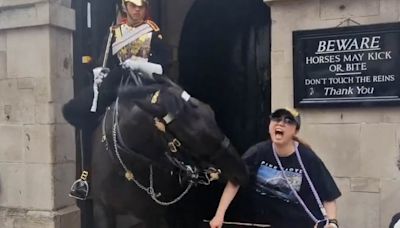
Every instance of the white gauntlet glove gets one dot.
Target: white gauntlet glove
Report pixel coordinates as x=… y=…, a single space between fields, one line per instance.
x=142 y=66
x=99 y=73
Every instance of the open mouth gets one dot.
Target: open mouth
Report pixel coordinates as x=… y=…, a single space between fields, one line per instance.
x=279 y=133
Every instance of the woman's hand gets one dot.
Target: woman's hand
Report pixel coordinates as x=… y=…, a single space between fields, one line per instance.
x=216 y=222
x=331 y=225
x=226 y=198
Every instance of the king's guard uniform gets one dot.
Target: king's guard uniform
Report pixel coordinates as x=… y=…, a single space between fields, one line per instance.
x=141 y=43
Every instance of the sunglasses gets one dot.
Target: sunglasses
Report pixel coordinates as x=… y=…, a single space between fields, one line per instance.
x=285 y=119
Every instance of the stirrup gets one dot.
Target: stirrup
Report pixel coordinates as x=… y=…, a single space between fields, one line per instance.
x=80 y=188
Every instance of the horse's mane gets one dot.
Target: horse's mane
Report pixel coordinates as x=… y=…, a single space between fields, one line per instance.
x=137 y=92
x=133 y=92
x=141 y=96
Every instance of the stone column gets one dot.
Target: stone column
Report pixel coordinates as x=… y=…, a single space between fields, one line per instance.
x=37 y=147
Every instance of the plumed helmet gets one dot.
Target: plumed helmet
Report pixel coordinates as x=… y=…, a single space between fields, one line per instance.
x=136 y=2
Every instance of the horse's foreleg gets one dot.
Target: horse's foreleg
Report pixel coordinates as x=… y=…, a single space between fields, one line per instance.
x=103 y=217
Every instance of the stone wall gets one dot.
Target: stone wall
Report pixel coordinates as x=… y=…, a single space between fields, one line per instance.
x=37 y=147
x=359 y=145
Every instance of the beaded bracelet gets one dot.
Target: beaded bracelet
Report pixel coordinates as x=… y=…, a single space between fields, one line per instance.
x=333 y=221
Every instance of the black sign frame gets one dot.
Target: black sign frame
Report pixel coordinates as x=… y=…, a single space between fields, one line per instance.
x=378 y=78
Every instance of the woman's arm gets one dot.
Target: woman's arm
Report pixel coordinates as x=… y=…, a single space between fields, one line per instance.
x=226 y=198
x=330 y=207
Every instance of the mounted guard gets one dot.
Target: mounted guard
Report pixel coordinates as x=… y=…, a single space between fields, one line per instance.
x=134 y=50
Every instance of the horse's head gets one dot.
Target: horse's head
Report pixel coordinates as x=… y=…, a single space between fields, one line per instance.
x=192 y=123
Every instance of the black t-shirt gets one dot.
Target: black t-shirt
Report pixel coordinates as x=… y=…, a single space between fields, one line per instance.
x=273 y=201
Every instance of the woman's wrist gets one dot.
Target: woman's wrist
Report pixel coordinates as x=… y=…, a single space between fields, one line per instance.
x=220 y=214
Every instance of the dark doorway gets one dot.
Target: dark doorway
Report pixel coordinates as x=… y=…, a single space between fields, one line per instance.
x=224 y=56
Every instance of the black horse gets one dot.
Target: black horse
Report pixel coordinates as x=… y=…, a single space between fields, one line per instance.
x=155 y=142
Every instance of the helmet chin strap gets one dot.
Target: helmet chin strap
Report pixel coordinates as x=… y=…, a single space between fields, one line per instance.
x=135 y=24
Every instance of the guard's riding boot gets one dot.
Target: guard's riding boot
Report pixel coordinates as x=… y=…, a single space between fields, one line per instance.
x=80 y=188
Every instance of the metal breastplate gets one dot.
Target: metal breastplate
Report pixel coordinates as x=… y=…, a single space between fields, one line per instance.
x=138 y=49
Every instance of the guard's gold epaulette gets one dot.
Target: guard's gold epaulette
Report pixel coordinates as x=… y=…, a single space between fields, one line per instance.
x=116 y=30
x=117 y=25
x=153 y=25
x=114 y=27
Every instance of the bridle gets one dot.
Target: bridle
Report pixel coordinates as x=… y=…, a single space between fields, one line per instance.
x=176 y=154
x=188 y=170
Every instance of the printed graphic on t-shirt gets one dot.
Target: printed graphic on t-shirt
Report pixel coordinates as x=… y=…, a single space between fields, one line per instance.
x=270 y=181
